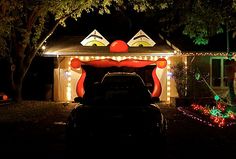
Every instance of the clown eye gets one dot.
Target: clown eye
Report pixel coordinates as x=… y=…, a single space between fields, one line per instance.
x=141 y=39
x=94 y=39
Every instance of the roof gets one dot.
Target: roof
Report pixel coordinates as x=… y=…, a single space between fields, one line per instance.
x=71 y=46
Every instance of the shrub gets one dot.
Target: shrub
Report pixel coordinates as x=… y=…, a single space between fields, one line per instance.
x=179 y=74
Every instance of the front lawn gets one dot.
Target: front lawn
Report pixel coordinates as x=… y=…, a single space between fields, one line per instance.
x=35 y=111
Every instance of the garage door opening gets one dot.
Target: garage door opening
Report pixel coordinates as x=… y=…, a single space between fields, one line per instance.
x=95 y=74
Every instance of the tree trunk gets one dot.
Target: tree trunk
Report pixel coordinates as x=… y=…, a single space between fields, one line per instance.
x=18 y=73
x=18 y=76
x=17 y=92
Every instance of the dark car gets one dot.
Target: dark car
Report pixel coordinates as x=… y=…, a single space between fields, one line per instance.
x=117 y=111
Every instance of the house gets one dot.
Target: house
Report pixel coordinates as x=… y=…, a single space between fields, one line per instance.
x=83 y=61
x=206 y=66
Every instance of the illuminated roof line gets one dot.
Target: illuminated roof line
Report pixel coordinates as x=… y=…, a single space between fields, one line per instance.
x=205 y=53
x=54 y=54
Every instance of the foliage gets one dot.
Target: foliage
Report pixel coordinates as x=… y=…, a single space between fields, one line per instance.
x=179 y=74
x=26 y=25
x=198 y=19
x=204 y=21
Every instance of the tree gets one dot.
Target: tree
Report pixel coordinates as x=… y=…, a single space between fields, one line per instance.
x=26 y=25
x=198 y=19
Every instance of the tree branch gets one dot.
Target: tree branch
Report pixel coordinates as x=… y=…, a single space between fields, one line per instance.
x=32 y=19
x=28 y=59
x=54 y=28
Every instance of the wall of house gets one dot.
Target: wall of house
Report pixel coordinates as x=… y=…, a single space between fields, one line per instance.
x=162 y=75
x=61 y=84
x=65 y=81
x=204 y=87
x=201 y=65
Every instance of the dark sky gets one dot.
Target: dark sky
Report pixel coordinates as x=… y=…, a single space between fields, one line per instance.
x=117 y=25
x=124 y=24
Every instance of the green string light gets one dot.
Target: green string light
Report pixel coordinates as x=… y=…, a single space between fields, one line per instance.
x=216 y=97
x=197 y=76
x=215 y=112
x=230 y=55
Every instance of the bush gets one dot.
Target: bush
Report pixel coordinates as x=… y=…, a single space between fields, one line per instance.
x=179 y=74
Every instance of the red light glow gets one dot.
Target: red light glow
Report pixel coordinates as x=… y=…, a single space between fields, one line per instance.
x=161 y=63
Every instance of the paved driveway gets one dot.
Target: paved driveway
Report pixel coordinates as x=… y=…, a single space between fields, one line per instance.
x=45 y=138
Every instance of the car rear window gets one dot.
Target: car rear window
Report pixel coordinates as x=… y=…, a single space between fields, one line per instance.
x=123 y=81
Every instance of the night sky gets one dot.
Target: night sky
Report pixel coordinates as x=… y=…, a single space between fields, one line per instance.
x=124 y=25
x=118 y=25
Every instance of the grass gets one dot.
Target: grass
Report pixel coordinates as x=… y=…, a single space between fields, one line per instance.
x=34 y=126
x=35 y=111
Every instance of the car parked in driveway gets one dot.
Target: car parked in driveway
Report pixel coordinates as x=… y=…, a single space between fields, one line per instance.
x=119 y=110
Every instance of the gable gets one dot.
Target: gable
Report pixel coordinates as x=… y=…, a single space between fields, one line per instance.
x=141 y=39
x=94 y=39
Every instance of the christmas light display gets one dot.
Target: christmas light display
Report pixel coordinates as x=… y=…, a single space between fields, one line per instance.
x=219 y=115
x=231 y=54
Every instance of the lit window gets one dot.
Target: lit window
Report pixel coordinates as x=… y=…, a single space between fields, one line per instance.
x=218 y=78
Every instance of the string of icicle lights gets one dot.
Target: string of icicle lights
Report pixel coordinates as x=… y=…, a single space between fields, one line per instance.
x=205 y=53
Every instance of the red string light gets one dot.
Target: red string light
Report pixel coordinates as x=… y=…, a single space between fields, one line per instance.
x=215 y=116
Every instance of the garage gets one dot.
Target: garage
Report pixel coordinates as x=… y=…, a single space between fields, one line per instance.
x=82 y=61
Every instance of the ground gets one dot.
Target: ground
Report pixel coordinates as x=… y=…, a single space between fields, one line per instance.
x=36 y=129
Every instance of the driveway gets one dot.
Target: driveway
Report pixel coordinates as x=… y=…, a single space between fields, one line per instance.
x=39 y=133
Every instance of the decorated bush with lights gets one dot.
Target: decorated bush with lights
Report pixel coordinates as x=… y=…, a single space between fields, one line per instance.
x=219 y=115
